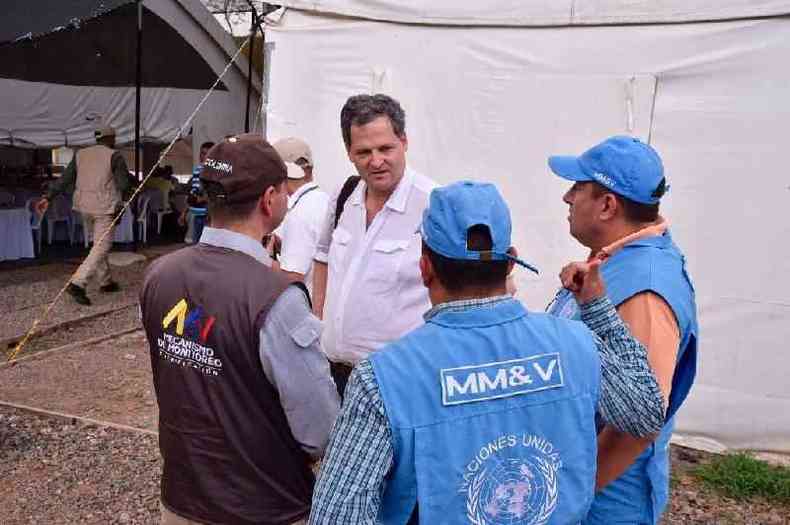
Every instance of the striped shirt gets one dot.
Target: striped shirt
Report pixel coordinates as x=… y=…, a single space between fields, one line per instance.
x=360 y=452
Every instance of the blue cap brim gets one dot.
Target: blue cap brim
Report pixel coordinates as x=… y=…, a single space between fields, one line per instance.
x=568 y=168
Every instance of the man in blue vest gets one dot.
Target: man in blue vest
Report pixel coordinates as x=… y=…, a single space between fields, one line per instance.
x=485 y=414
x=614 y=205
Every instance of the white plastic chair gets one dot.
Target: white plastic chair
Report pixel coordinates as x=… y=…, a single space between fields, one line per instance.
x=59 y=211
x=87 y=233
x=142 y=218
x=160 y=214
x=157 y=206
x=35 y=221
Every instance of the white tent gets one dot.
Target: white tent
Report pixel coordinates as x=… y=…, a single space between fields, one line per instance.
x=492 y=88
x=184 y=51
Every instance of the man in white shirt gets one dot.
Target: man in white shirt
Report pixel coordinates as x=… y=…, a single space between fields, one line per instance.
x=367 y=282
x=307 y=205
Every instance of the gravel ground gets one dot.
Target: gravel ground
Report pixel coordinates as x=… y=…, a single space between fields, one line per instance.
x=26 y=292
x=54 y=471
x=107 y=381
x=691 y=503
x=24 y=301
x=61 y=471
x=123 y=319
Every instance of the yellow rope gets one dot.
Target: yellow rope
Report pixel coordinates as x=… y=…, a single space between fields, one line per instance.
x=13 y=354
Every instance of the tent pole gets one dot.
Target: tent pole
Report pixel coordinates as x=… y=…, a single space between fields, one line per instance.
x=250 y=49
x=138 y=82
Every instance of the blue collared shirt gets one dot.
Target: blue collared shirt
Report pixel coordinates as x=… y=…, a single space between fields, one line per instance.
x=361 y=454
x=290 y=353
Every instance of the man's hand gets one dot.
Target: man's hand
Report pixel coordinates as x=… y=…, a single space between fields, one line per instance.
x=41 y=205
x=584 y=280
x=273 y=244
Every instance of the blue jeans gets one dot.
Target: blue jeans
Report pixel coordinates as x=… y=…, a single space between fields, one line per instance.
x=198 y=222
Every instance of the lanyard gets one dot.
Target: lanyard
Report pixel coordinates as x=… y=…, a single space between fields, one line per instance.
x=302 y=195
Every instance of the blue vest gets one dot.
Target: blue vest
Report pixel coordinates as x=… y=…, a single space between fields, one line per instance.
x=491 y=411
x=653 y=264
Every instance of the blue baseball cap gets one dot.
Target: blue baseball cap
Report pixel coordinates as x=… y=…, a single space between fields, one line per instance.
x=454 y=209
x=625 y=165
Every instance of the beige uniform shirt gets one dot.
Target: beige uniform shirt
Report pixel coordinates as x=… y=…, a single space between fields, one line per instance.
x=651 y=319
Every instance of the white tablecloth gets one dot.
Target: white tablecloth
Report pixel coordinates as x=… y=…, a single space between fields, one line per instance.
x=124 y=232
x=16 y=236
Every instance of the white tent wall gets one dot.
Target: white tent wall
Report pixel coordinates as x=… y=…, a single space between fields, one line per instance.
x=544 y=13
x=492 y=103
x=43 y=114
x=224 y=111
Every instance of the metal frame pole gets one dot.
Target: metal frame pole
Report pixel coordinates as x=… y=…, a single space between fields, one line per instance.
x=250 y=49
x=138 y=89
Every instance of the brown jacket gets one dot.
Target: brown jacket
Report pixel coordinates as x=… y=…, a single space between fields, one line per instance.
x=228 y=452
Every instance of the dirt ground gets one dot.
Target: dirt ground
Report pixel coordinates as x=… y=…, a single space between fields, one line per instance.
x=63 y=470
x=58 y=472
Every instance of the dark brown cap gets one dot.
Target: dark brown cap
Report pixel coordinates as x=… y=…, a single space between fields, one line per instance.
x=241 y=168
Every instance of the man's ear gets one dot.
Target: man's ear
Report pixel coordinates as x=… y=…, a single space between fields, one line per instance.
x=609 y=207
x=510 y=263
x=405 y=141
x=426 y=270
x=265 y=201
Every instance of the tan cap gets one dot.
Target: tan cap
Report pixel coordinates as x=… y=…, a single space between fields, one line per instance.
x=104 y=131
x=292 y=149
x=241 y=168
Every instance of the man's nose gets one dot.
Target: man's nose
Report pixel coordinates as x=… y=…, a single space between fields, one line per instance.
x=376 y=159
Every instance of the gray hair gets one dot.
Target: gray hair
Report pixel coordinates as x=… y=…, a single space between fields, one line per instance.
x=364 y=109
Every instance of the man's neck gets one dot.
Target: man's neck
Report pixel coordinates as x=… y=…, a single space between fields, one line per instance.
x=248 y=229
x=295 y=185
x=442 y=296
x=616 y=234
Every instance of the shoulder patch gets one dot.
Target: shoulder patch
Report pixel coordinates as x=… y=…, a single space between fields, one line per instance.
x=468 y=384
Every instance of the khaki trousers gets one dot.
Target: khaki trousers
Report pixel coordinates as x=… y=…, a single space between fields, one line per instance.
x=96 y=262
x=171 y=518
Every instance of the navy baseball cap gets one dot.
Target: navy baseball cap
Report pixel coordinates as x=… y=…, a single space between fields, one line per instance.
x=625 y=165
x=454 y=209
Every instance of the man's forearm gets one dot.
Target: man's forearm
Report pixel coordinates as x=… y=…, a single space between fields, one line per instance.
x=65 y=183
x=120 y=174
x=631 y=399
x=320 y=273
x=352 y=477
x=616 y=452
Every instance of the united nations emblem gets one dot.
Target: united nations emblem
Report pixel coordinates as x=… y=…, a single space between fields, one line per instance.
x=514 y=484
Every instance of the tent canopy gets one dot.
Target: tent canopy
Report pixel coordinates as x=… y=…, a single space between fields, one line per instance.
x=94 y=43
x=544 y=13
x=70 y=66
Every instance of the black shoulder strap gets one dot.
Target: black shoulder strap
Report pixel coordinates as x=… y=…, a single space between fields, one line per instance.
x=303 y=287
x=348 y=188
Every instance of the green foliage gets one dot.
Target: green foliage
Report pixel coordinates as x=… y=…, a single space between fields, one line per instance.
x=740 y=476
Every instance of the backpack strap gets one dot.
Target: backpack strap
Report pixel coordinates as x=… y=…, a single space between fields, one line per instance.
x=345 y=192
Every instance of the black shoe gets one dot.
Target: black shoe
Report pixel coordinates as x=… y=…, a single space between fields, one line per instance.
x=110 y=287
x=78 y=293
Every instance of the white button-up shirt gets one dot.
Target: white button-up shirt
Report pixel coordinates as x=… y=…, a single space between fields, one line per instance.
x=307 y=209
x=374 y=289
